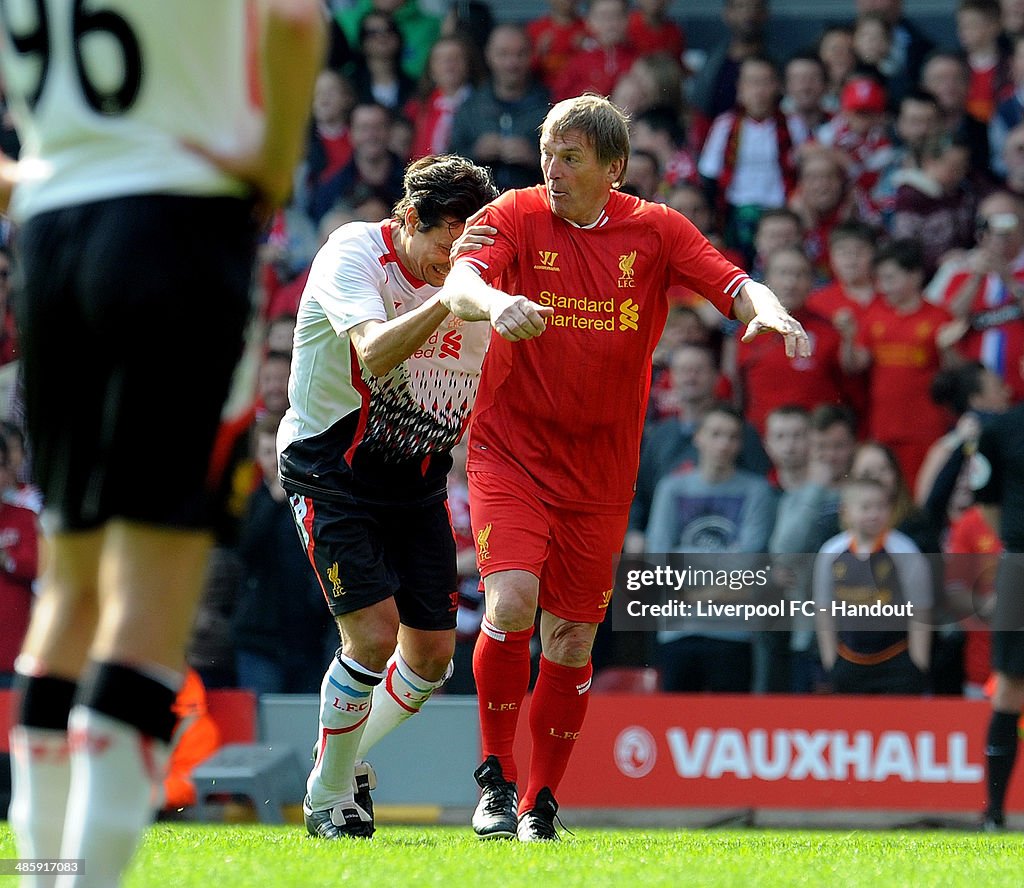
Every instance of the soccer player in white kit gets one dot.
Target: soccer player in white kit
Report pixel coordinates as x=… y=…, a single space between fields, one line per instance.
x=150 y=130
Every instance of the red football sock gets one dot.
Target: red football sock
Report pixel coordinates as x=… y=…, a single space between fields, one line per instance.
x=556 y=715
x=501 y=667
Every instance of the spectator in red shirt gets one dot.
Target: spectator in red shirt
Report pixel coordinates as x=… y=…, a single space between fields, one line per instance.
x=822 y=199
x=19 y=563
x=556 y=37
x=606 y=54
x=851 y=251
x=650 y=30
x=767 y=379
x=978 y=26
x=453 y=71
x=898 y=338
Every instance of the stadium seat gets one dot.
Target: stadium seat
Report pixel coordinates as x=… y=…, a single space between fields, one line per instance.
x=626 y=680
x=271 y=777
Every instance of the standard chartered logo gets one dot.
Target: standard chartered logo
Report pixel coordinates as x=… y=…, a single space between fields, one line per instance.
x=629 y=314
x=601 y=315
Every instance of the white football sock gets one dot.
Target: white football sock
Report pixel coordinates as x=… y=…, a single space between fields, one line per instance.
x=345 y=705
x=400 y=696
x=117 y=779
x=41 y=774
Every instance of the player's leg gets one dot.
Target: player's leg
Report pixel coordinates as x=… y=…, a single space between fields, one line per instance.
x=132 y=458
x=1008 y=699
x=576 y=590
x=122 y=723
x=511 y=530
x=52 y=656
x=345 y=546
x=557 y=711
x=420 y=546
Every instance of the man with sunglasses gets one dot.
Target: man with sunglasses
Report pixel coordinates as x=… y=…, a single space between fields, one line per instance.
x=984 y=290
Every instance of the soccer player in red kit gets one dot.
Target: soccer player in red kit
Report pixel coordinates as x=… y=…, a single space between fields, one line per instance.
x=555 y=440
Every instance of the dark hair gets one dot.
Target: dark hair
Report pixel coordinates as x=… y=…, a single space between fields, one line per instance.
x=919 y=95
x=810 y=56
x=955 y=387
x=662 y=119
x=824 y=416
x=854 y=229
x=443 y=187
x=990 y=8
x=906 y=252
x=723 y=408
x=790 y=410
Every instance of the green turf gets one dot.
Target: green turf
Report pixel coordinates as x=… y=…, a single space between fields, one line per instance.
x=187 y=856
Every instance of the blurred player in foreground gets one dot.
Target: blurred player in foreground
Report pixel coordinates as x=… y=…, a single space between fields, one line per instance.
x=149 y=129
x=555 y=439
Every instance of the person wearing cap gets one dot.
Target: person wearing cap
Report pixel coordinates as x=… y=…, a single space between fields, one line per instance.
x=860 y=132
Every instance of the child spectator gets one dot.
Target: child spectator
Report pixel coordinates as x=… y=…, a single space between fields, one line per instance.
x=870 y=562
x=859 y=131
x=851 y=251
x=898 y=338
x=748 y=158
x=451 y=75
x=776 y=229
x=606 y=54
x=555 y=38
x=650 y=30
x=766 y=378
x=978 y=27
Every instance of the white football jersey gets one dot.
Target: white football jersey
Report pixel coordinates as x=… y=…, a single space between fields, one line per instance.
x=346 y=432
x=105 y=92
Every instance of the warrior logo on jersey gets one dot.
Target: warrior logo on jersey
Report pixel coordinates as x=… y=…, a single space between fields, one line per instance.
x=626 y=268
x=483 y=545
x=548 y=261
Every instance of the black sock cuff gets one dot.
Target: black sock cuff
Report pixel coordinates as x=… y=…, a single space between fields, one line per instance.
x=122 y=693
x=1002 y=729
x=366 y=678
x=44 y=701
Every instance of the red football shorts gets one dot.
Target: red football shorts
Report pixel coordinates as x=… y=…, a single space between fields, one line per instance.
x=571 y=553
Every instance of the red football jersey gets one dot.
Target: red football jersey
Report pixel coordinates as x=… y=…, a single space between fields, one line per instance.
x=771 y=380
x=566 y=409
x=904 y=360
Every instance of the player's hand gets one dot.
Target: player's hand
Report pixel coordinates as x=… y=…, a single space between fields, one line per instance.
x=8 y=176
x=793 y=334
x=845 y=323
x=271 y=181
x=472 y=238
x=950 y=333
x=519 y=318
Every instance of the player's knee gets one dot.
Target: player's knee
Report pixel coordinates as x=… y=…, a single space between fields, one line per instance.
x=512 y=604
x=569 y=644
x=372 y=644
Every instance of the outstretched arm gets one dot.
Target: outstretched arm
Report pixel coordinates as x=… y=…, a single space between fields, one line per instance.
x=759 y=308
x=468 y=297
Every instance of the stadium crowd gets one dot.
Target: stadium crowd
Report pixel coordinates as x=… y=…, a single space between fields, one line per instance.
x=873 y=180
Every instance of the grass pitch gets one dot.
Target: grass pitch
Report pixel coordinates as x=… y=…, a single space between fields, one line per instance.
x=243 y=856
